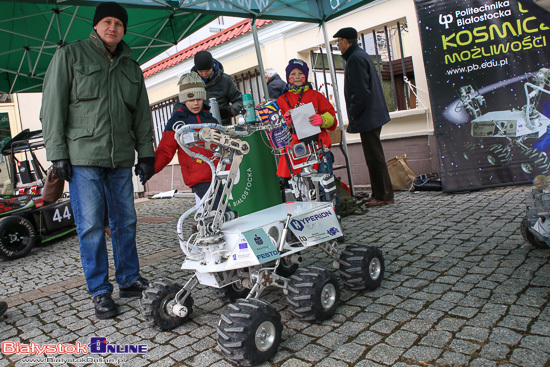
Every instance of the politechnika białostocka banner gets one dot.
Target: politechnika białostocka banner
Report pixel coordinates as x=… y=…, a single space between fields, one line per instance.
x=487 y=64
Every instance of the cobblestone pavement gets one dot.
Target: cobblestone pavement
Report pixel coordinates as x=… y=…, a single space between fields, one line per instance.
x=462 y=288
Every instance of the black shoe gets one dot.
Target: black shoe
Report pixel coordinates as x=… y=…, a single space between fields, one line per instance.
x=135 y=289
x=3 y=308
x=104 y=306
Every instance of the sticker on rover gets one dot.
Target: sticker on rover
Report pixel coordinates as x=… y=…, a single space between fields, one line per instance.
x=316 y=227
x=242 y=256
x=333 y=231
x=261 y=245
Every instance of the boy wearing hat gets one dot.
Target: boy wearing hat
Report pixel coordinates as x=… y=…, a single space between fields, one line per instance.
x=367 y=112
x=218 y=85
x=196 y=173
x=95 y=116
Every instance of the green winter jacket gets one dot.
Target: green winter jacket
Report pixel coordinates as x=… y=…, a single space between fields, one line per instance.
x=95 y=109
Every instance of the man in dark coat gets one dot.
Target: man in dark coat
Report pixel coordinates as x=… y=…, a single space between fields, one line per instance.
x=275 y=85
x=367 y=112
x=218 y=85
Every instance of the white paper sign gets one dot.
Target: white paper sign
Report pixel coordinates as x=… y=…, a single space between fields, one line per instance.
x=242 y=256
x=300 y=119
x=316 y=227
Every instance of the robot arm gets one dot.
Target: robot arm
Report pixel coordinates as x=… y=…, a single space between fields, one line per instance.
x=471 y=100
x=540 y=80
x=230 y=150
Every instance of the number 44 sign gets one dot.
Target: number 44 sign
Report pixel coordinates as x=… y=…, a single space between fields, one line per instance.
x=66 y=214
x=58 y=216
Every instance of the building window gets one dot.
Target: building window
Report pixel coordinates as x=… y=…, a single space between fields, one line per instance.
x=387 y=46
x=5 y=132
x=250 y=81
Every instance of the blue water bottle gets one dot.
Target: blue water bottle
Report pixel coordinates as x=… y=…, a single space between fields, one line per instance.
x=248 y=103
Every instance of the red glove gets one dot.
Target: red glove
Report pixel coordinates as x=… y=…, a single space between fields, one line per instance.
x=316 y=120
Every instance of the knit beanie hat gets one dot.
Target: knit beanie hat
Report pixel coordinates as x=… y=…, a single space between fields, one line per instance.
x=111 y=9
x=297 y=64
x=191 y=87
x=204 y=60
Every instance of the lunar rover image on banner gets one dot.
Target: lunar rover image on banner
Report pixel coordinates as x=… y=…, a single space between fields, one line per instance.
x=501 y=135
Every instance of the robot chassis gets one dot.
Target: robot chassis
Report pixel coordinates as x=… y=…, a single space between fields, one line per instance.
x=535 y=226
x=515 y=126
x=241 y=257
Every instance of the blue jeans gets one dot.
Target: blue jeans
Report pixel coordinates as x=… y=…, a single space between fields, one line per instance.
x=91 y=188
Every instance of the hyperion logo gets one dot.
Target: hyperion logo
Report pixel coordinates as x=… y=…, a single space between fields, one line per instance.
x=100 y=345
x=296 y=225
x=299 y=224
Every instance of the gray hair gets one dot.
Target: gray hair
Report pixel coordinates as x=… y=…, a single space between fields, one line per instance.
x=270 y=72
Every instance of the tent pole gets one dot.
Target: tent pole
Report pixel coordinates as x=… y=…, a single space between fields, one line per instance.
x=338 y=104
x=259 y=56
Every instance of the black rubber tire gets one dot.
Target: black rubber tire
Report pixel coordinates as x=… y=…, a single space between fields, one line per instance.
x=313 y=293
x=154 y=301
x=17 y=237
x=232 y=292
x=361 y=267
x=498 y=155
x=539 y=162
x=468 y=149
x=286 y=268
x=529 y=237
x=249 y=331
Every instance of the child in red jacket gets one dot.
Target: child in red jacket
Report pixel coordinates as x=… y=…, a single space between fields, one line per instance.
x=196 y=173
x=299 y=92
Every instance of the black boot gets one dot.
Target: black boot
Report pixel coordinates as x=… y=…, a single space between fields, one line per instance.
x=135 y=289
x=104 y=306
x=3 y=308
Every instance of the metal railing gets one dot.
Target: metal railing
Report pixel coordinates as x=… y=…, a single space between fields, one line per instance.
x=161 y=113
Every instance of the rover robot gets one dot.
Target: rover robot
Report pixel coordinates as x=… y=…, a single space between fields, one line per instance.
x=242 y=256
x=535 y=226
x=513 y=126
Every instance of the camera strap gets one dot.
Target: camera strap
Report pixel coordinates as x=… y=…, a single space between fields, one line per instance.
x=293 y=107
x=297 y=103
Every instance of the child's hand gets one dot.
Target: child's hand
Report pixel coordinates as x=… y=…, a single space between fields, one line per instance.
x=316 y=120
x=288 y=118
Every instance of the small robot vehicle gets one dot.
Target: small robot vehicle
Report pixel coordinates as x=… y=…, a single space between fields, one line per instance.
x=242 y=256
x=535 y=226
x=25 y=218
x=514 y=126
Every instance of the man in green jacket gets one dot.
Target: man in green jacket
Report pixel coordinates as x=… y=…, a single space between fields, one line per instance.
x=95 y=115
